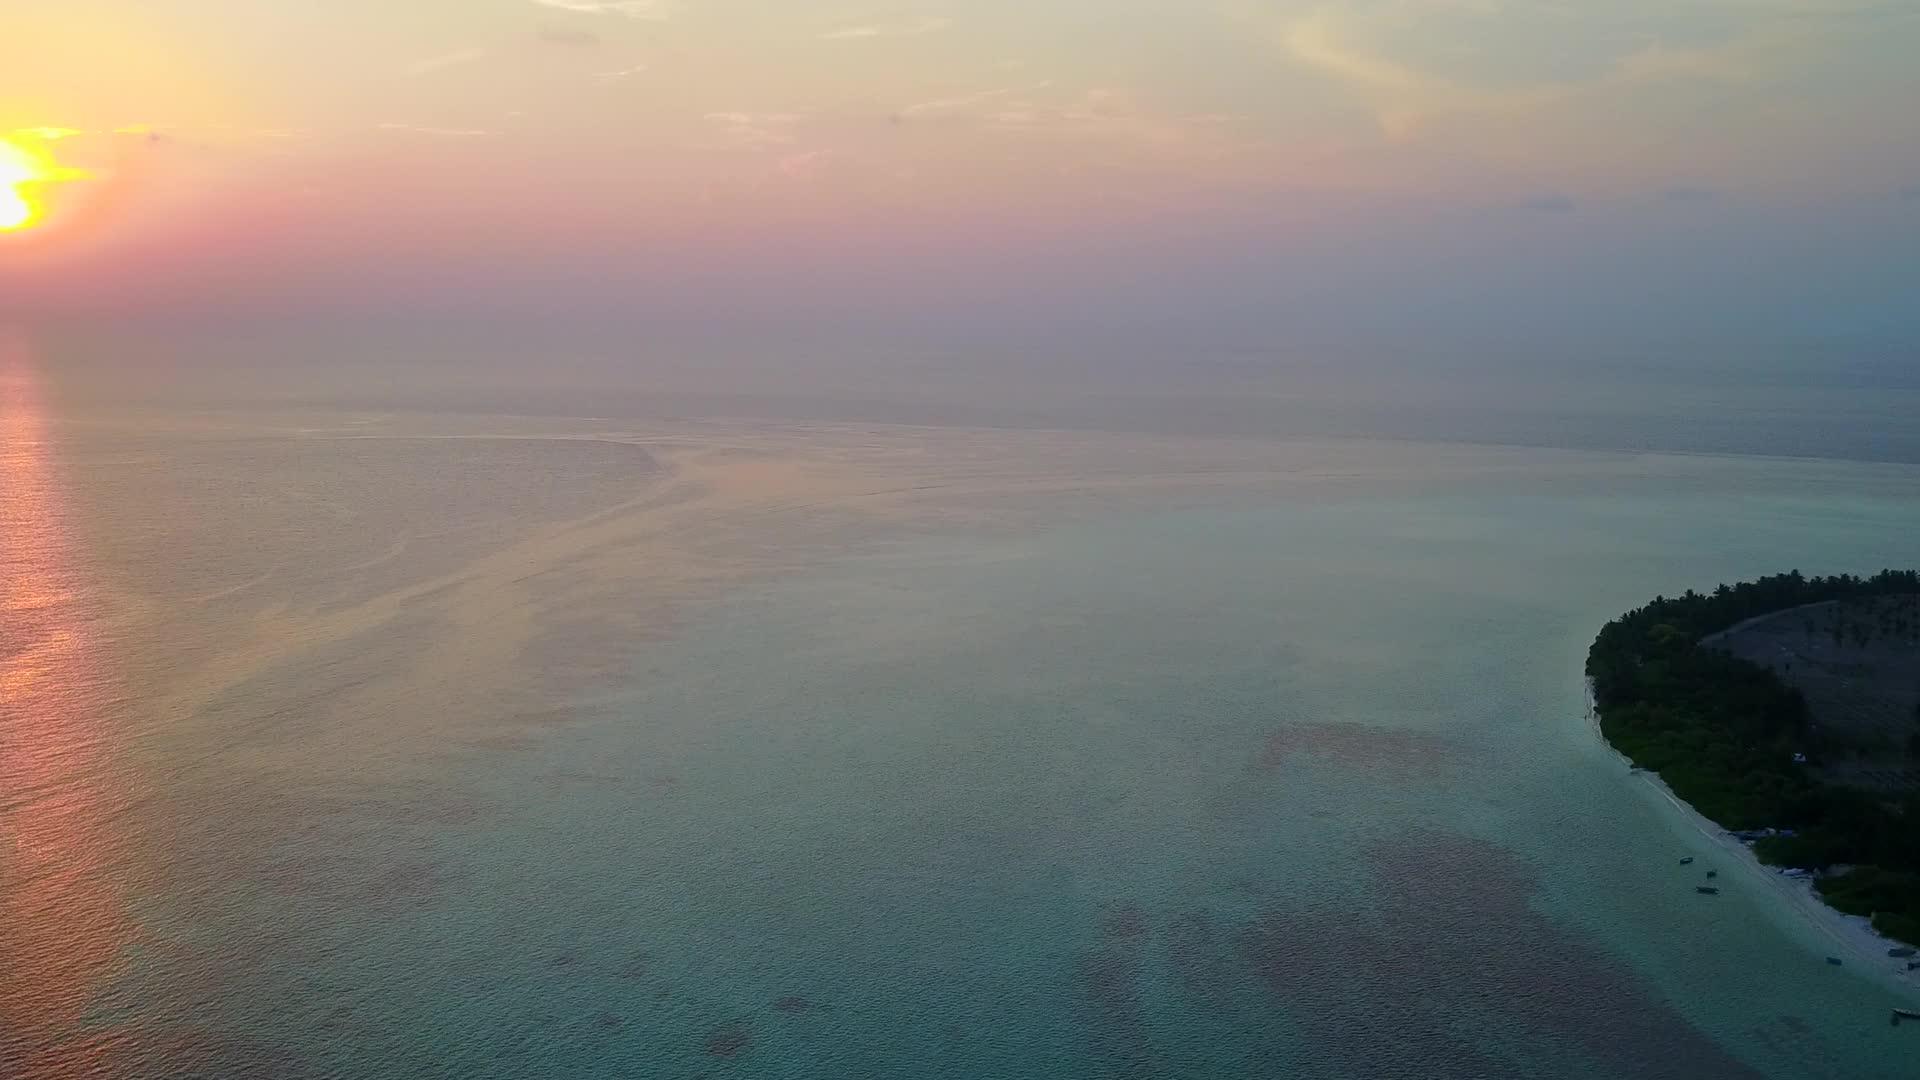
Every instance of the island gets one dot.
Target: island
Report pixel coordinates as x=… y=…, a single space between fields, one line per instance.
x=1787 y=710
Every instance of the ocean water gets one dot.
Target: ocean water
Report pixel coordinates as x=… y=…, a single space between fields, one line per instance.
x=348 y=757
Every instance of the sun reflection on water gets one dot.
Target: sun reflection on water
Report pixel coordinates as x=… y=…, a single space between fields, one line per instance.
x=64 y=920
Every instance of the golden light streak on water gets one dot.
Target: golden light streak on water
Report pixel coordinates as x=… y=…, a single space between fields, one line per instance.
x=63 y=914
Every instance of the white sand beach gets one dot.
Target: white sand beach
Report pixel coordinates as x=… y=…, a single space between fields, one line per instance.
x=1849 y=937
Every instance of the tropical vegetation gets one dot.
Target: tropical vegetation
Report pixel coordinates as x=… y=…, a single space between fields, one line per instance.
x=1734 y=740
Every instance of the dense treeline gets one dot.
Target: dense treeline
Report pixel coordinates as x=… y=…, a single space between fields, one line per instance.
x=1724 y=734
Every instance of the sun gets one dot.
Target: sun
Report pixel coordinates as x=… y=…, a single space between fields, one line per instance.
x=15 y=211
x=26 y=170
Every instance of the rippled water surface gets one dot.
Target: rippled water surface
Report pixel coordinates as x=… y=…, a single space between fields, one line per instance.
x=394 y=757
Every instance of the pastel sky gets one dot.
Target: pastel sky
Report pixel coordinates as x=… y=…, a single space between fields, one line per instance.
x=268 y=155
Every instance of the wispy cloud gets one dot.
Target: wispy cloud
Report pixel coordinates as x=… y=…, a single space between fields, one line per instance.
x=1829 y=10
x=567 y=37
x=56 y=133
x=632 y=9
x=608 y=77
x=1688 y=194
x=446 y=60
x=753 y=131
x=1114 y=116
x=1735 y=60
x=1346 y=44
x=1403 y=95
x=805 y=166
x=965 y=102
x=1549 y=203
x=915 y=28
x=49 y=134
x=418 y=129
x=1117 y=116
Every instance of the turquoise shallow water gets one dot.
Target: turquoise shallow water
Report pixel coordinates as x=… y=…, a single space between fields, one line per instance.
x=1271 y=789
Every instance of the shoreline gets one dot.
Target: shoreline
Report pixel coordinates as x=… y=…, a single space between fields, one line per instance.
x=1853 y=938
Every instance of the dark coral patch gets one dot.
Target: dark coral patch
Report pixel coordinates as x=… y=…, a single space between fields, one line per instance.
x=1125 y=921
x=1791 y=1039
x=348 y=882
x=729 y=1040
x=337 y=1019
x=174 y=1052
x=582 y=778
x=1118 y=1032
x=1451 y=960
x=1110 y=978
x=410 y=810
x=505 y=743
x=1199 y=958
x=1359 y=746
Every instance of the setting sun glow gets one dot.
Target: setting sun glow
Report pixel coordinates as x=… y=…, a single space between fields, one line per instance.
x=24 y=170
